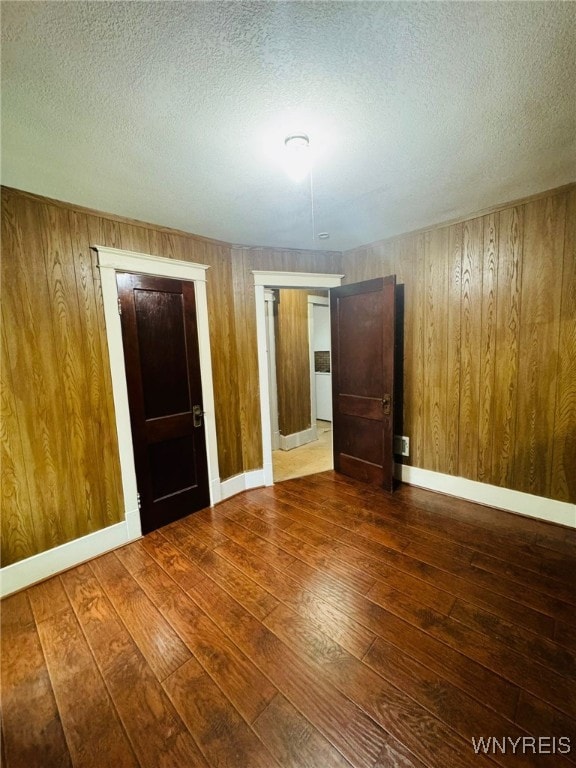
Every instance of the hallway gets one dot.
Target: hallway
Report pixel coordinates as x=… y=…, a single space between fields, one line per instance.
x=307 y=459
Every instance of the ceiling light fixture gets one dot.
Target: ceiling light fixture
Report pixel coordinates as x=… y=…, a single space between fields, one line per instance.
x=298 y=164
x=298 y=157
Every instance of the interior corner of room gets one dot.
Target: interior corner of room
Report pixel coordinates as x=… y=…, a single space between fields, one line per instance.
x=486 y=388
x=466 y=196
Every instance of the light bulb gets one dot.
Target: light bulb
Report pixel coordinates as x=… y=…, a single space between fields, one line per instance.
x=298 y=159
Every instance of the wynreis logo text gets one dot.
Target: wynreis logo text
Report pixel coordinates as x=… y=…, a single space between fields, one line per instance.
x=522 y=745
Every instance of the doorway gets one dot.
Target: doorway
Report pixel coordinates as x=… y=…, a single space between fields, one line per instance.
x=265 y=280
x=363 y=326
x=160 y=339
x=298 y=352
x=111 y=261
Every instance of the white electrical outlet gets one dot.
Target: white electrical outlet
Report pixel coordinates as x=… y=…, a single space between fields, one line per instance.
x=401 y=445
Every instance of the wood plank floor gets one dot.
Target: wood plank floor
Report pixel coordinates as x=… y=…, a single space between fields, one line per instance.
x=317 y=624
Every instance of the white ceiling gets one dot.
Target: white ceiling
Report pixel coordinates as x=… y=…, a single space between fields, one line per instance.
x=176 y=112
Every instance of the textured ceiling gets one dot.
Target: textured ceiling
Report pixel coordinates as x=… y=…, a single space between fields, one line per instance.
x=176 y=112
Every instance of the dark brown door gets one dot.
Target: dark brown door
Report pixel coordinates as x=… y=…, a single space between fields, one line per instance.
x=362 y=320
x=160 y=340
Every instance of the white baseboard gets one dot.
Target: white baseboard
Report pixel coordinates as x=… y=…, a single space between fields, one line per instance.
x=296 y=439
x=45 y=564
x=492 y=495
x=215 y=491
x=38 y=567
x=242 y=482
x=254 y=479
x=26 y=572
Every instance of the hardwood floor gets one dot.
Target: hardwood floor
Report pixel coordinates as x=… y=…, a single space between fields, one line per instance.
x=317 y=624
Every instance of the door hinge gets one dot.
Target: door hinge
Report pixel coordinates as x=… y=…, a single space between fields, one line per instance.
x=119 y=306
x=138 y=499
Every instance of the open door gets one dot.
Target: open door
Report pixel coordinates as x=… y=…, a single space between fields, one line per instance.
x=363 y=326
x=160 y=339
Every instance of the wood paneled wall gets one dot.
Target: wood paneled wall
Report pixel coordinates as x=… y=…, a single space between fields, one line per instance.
x=60 y=466
x=293 y=361
x=490 y=343
x=490 y=360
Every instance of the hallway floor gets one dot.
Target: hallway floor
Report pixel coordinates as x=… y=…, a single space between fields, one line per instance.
x=307 y=459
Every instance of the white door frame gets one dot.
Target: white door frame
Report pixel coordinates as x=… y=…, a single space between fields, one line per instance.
x=270 y=300
x=110 y=261
x=268 y=279
x=319 y=301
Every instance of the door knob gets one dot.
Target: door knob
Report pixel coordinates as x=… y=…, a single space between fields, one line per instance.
x=197 y=414
x=387 y=405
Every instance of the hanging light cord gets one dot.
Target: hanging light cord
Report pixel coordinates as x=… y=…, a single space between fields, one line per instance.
x=312 y=207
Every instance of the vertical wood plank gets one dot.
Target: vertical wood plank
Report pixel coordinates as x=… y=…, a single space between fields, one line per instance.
x=510 y=245
x=472 y=252
x=106 y=232
x=454 y=349
x=293 y=361
x=103 y=231
x=173 y=246
x=224 y=359
x=383 y=255
x=18 y=533
x=104 y=449
x=563 y=480
x=403 y=268
x=225 y=738
x=419 y=331
x=162 y=649
x=47 y=598
x=86 y=514
x=93 y=730
x=435 y=352
x=247 y=357
x=157 y=734
x=293 y=740
x=36 y=375
x=32 y=729
x=487 y=348
x=134 y=238
x=154 y=244
x=539 y=334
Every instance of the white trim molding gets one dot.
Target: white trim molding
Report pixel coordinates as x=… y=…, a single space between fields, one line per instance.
x=242 y=482
x=38 y=567
x=42 y=566
x=550 y=510
x=296 y=279
x=270 y=300
x=26 y=572
x=296 y=439
x=262 y=280
x=322 y=301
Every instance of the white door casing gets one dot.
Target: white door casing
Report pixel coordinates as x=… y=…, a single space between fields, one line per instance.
x=110 y=261
x=314 y=302
x=268 y=279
